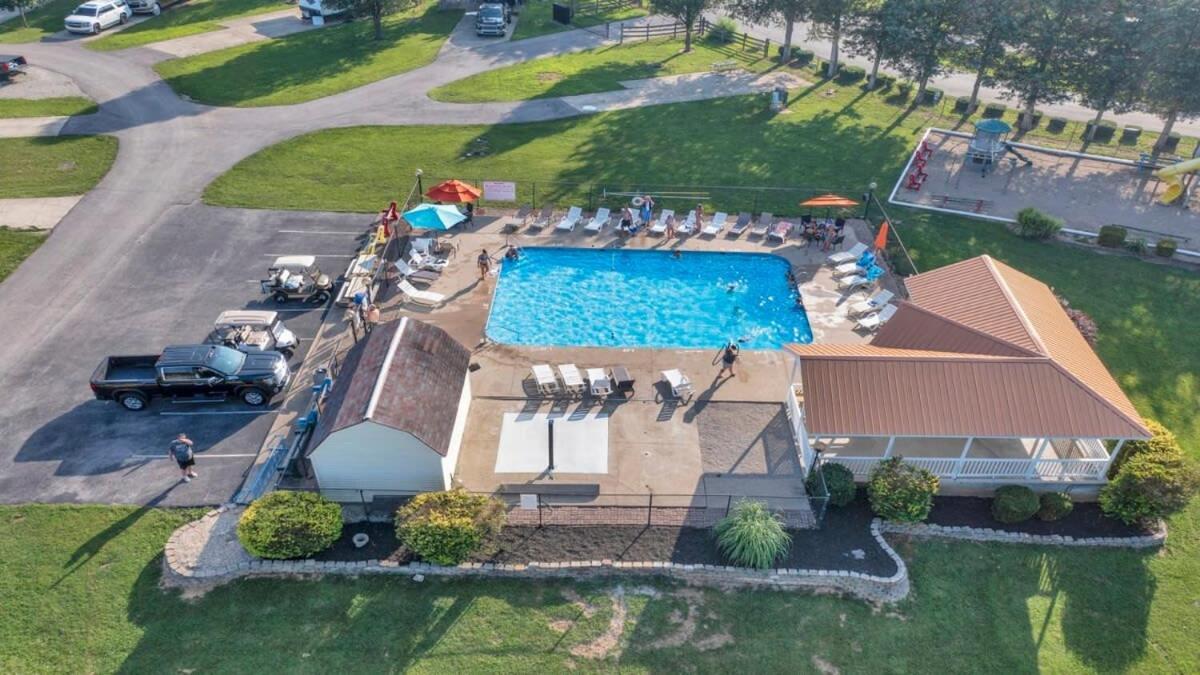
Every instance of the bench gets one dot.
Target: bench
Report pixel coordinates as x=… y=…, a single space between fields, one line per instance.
x=724 y=66
x=976 y=205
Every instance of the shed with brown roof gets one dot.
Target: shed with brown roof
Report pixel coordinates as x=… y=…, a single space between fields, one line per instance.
x=394 y=418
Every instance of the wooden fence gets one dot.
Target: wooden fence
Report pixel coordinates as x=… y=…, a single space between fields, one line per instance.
x=676 y=29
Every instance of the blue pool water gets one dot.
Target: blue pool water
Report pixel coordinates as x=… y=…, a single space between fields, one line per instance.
x=625 y=298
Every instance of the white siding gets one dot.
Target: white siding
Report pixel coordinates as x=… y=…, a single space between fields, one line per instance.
x=456 y=436
x=370 y=456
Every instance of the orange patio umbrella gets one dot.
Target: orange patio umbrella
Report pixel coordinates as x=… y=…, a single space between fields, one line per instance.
x=830 y=201
x=454 y=192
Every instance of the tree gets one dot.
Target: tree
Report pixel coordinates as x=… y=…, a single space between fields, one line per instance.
x=979 y=42
x=921 y=37
x=686 y=12
x=376 y=9
x=1111 y=71
x=829 y=18
x=1038 y=64
x=867 y=33
x=778 y=12
x=1173 y=78
x=19 y=6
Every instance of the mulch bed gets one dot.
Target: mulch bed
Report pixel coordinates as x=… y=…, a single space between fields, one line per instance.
x=844 y=542
x=1086 y=520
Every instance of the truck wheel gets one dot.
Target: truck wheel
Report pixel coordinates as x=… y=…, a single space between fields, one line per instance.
x=280 y=297
x=288 y=353
x=95 y=29
x=253 y=396
x=156 y=10
x=123 y=19
x=132 y=400
x=320 y=298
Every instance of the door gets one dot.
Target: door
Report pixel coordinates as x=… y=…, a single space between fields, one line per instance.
x=186 y=381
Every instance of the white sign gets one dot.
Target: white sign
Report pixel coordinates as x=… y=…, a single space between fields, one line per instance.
x=529 y=502
x=499 y=191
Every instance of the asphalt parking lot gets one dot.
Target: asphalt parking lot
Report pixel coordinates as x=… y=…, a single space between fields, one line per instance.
x=62 y=445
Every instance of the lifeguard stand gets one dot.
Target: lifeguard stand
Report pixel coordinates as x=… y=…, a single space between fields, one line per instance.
x=989 y=143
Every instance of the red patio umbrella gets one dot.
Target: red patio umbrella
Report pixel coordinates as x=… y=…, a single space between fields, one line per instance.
x=454 y=192
x=830 y=201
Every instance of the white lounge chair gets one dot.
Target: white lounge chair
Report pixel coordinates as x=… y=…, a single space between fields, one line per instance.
x=874 y=321
x=543 y=375
x=543 y=218
x=848 y=269
x=850 y=255
x=598 y=382
x=714 y=226
x=872 y=304
x=660 y=225
x=598 y=221
x=572 y=380
x=742 y=224
x=420 y=297
x=780 y=231
x=426 y=262
x=414 y=275
x=763 y=225
x=680 y=385
x=570 y=220
x=689 y=224
x=853 y=283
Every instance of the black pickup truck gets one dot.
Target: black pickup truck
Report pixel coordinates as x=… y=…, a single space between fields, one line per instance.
x=191 y=371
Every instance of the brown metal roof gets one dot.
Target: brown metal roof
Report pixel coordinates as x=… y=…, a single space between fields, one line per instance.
x=982 y=350
x=417 y=392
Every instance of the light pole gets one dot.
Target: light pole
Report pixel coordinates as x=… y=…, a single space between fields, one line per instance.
x=867 y=200
x=420 y=187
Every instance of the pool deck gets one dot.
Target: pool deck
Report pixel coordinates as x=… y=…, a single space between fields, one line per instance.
x=656 y=443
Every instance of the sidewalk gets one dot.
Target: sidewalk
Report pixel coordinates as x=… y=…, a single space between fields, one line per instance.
x=237 y=32
x=37 y=213
x=18 y=127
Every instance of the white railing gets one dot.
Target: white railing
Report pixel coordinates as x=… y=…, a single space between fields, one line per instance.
x=1092 y=448
x=1016 y=470
x=799 y=432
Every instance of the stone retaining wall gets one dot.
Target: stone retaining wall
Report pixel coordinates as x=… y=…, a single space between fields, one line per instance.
x=1002 y=536
x=182 y=567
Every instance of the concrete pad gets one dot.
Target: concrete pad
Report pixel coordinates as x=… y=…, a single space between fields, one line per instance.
x=237 y=32
x=24 y=127
x=679 y=88
x=580 y=444
x=37 y=213
x=37 y=82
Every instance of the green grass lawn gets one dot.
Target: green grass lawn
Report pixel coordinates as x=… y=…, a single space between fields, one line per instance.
x=45 y=20
x=54 y=166
x=313 y=64
x=46 y=107
x=595 y=70
x=16 y=246
x=197 y=16
x=536 y=18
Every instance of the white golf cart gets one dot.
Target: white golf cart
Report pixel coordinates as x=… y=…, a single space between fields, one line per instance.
x=253 y=331
x=297 y=277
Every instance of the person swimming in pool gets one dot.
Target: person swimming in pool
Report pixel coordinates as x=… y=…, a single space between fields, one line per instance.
x=513 y=253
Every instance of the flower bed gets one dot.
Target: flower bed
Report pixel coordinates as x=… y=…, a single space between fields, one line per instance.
x=1084 y=522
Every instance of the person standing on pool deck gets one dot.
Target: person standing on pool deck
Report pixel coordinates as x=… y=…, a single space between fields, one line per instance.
x=728 y=357
x=647 y=211
x=180 y=450
x=485 y=263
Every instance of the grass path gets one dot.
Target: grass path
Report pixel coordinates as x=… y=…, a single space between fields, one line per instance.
x=594 y=70
x=196 y=16
x=46 y=107
x=536 y=18
x=55 y=166
x=313 y=64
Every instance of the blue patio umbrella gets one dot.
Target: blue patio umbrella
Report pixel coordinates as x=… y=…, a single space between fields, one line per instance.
x=433 y=217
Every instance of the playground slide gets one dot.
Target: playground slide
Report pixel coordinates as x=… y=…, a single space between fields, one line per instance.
x=1172 y=176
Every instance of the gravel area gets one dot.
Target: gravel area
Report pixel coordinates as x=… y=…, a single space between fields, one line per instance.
x=1086 y=520
x=747 y=439
x=39 y=83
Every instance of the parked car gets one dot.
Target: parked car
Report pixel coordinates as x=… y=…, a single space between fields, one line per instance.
x=154 y=7
x=492 y=19
x=11 y=64
x=311 y=8
x=297 y=277
x=191 y=371
x=253 y=332
x=93 y=17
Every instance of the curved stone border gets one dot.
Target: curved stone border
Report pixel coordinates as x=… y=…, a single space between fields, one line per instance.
x=1004 y=536
x=180 y=568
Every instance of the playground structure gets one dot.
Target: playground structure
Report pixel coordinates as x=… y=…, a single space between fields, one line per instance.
x=990 y=144
x=1172 y=176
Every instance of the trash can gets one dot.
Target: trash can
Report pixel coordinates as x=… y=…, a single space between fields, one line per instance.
x=779 y=97
x=562 y=14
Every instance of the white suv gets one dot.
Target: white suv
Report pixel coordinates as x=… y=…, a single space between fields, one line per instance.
x=94 y=16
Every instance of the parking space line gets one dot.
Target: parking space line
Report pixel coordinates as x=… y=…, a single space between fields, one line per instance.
x=221 y=412
x=198 y=455
x=355 y=232
x=315 y=255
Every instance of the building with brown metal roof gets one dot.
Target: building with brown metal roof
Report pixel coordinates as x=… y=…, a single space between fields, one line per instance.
x=395 y=417
x=981 y=376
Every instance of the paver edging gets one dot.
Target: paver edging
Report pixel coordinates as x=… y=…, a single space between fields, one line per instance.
x=1157 y=538
x=179 y=572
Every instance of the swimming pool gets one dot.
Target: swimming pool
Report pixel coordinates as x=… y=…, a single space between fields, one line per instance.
x=638 y=298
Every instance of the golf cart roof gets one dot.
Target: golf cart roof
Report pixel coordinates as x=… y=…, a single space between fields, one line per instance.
x=246 y=317
x=295 y=261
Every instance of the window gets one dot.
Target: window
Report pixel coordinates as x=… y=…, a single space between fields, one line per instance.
x=85 y=11
x=179 y=374
x=225 y=360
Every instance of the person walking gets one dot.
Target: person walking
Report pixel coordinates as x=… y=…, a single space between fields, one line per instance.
x=728 y=357
x=484 y=261
x=372 y=318
x=180 y=450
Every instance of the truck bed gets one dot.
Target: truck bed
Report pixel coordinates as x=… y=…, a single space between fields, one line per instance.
x=129 y=369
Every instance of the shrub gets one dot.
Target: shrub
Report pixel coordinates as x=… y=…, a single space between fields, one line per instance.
x=752 y=536
x=1137 y=245
x=1033 y=224
x=901 y=492
x=1165 y=248
x=447 y=527
x=1172 y=142
x=801 y=56
x=1054 y=506
x=1056 y=124
x=1084 y=323
x=1162 y=444
x=996 y=110
x=1130 y=134
x=884 y=81
x=1036 y=118
x=723 y=30
x=963 y=105
x=931 y=96
x=1112 y=236
x=1149 y=487
x=1014 y=504
x=1104 y=131
x=839 y=483
x=848 y=74
x=289 y=525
